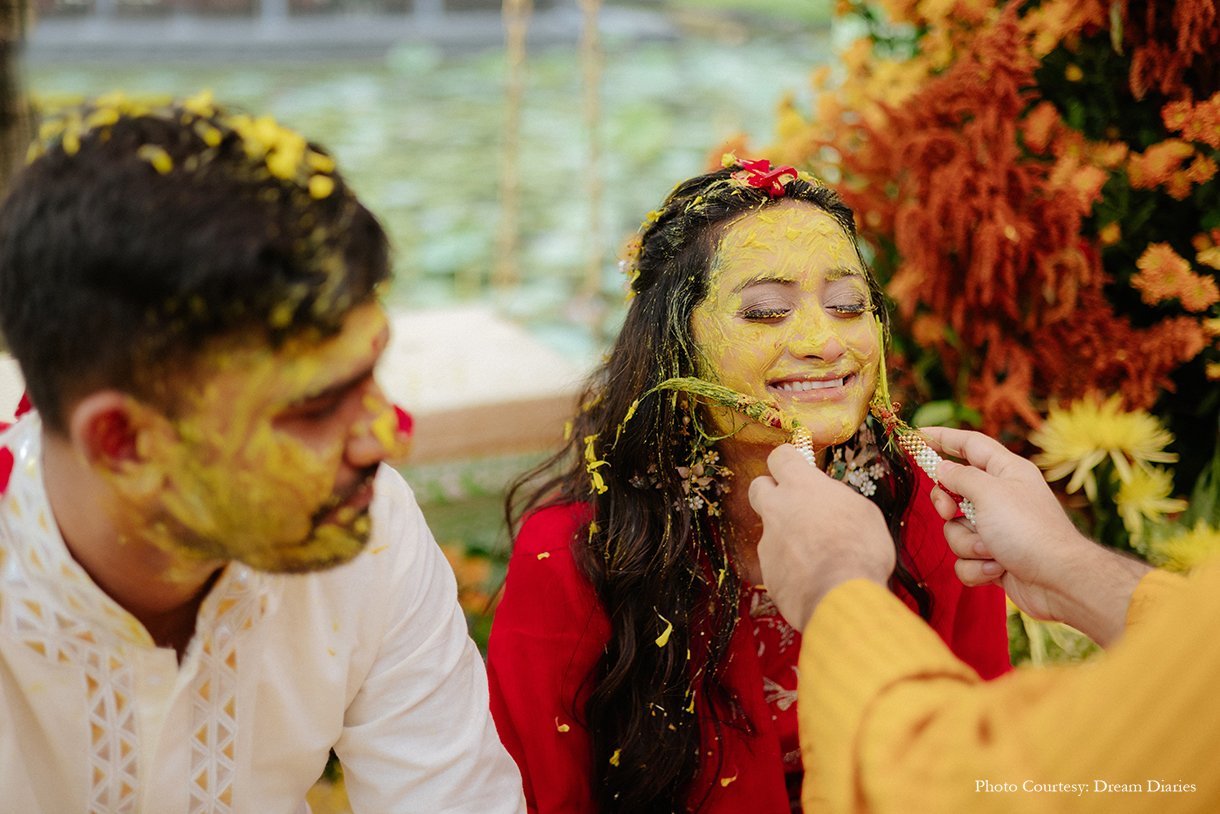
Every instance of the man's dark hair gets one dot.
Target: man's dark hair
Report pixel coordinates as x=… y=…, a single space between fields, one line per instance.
x=137 y=235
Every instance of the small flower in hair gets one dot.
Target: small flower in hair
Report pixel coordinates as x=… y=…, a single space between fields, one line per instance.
x=629 y=265
x=761 y=174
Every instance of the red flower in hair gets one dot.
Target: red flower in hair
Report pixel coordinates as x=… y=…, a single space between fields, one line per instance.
x=761 y=174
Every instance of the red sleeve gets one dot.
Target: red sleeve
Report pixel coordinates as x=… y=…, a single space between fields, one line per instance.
x=973 y=622
x=548 y=633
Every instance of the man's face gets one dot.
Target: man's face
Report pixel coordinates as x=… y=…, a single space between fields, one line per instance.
x=272 y=458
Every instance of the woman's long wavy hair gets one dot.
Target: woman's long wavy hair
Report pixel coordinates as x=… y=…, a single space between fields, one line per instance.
x=653 y=560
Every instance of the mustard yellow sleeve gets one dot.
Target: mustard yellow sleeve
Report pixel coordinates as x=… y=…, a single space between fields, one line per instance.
x=1150 y=593
x=891 y=721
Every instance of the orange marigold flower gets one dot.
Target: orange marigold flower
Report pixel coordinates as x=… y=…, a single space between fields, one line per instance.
x=1200 y=294
x=1201 y=170
x=1202 y=242
x=1163 y=273
x=1178 y=185
x=1209 y=257
x=1088 y=181
x=1176 y=115
x=1110 y=234
x=1198 y=122
x=1155 y=165
x=1039 y=125
x=1110 y=155
x=1213 y=370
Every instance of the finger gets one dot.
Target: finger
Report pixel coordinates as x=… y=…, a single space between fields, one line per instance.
x=972 y=573
x=964 y=541
x=945 y=506
x=786 y=463
x=967 y=481
x=980 y=451
x=760 y=491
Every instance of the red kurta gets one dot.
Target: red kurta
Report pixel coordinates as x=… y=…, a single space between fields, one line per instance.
x=550 y=630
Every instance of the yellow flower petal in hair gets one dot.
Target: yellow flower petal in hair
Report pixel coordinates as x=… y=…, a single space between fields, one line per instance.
x=320 y=162
x=663 y=639
x=321 y=186
x=201 y=104
x=592 y=464
x=155 y=154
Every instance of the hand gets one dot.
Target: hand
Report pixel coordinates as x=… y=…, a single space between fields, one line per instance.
x=817 y=534
x=1023 y=541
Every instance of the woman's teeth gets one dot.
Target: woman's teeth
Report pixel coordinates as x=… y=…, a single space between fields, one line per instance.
x=796 y=387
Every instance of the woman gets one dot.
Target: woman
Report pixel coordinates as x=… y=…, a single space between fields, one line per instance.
x=636 y=665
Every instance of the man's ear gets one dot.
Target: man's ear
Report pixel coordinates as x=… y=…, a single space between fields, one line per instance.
x=105 y=426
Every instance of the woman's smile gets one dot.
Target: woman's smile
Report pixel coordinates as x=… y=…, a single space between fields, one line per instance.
x=814 y=387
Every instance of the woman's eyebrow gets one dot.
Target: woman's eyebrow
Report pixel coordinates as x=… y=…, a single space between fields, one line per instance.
x=761 y=280
x=843 y=271
x=831 y=275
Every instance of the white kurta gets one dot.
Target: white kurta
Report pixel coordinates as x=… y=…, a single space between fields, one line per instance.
x=371 y=658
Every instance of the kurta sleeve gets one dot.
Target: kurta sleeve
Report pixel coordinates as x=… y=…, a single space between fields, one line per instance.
x=972 y=621
x=891 y=721
x=548 y=634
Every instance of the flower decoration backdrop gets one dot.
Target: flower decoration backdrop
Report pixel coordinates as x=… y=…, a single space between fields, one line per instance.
x=1037 y=182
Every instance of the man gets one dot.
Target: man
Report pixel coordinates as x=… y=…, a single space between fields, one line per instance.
x=207 y=579
x=891 y=721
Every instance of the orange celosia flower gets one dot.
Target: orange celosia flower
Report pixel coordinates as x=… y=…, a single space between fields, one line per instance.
x=1173 y=42
x=928 y=330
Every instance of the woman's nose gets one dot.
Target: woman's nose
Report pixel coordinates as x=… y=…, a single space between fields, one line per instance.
x=814 y=337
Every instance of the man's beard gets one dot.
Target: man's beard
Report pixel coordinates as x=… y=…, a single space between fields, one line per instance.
x=336 y=536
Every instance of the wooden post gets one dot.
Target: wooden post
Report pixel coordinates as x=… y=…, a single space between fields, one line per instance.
x=505 y=275
x=591 y=72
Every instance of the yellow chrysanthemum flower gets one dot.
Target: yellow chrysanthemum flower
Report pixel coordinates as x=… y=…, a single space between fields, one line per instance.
x=1076 y=440
x=1188 y=549
x=1146 y=494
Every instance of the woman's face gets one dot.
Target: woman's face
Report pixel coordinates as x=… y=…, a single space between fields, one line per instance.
x=788 y=319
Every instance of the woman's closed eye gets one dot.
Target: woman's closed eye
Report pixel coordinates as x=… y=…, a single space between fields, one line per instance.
x=763 y=313
x=850 y=308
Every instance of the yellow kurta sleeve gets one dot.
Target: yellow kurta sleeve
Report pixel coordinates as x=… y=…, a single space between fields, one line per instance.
x=891 y=721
